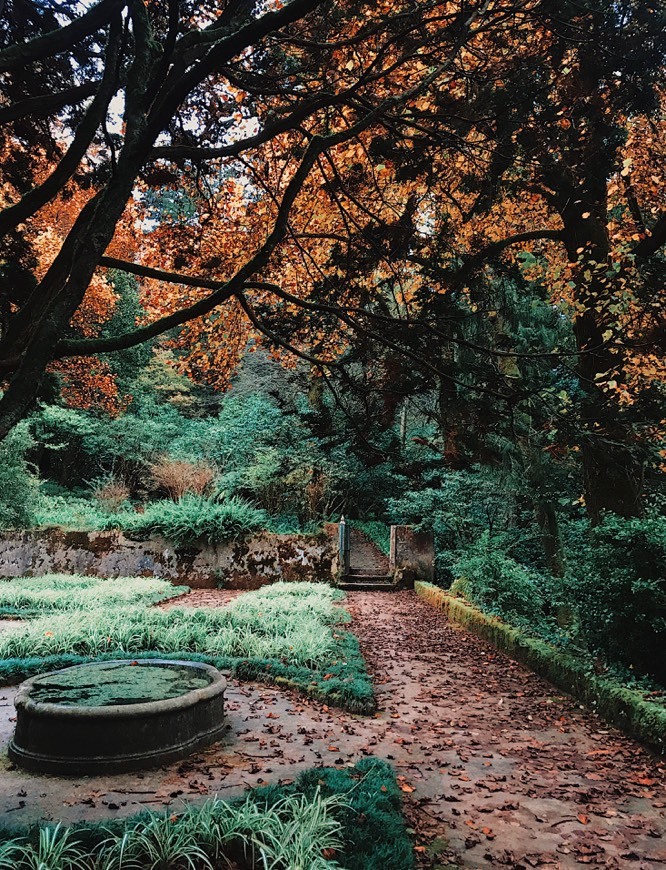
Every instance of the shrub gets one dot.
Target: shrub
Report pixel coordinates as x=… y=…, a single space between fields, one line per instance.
x=177 y=477
x=111 y=494
x=70 y=512
x=18 y=486
x=619 y=583
x=196 y=520
x=498 y=584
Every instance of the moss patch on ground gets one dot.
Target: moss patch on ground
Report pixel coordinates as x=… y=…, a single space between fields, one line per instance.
x=625 y=708
x=364 y=803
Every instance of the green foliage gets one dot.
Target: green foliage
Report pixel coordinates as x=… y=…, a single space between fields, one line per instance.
x=36 y=596
x=195 y=520
x=18 y=485
x=126 y=364
x=619 y=584
x=498 y=583
x=461 y=506
x=278 y=624
x=349 y=818
x=69 y=512
x=374 y=833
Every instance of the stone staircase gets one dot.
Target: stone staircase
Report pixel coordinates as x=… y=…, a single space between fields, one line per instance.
x=368 y=566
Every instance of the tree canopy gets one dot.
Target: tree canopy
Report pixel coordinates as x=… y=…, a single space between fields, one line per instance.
x=467 y=194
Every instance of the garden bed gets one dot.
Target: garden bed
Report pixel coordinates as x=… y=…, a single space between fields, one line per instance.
x=287 y=634
x=623 y=707
x=327 y=818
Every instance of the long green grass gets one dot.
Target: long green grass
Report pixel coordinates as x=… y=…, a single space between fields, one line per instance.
x=195 y=520
x=191 y=521
x=280 y=625
x=328 y=818
x=34 y=596
x=288 y=634
x=71 y=512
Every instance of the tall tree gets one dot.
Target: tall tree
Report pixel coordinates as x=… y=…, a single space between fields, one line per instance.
x=174 y=81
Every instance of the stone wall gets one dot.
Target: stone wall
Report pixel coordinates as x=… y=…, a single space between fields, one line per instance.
x=243 y=564
x=412 y=555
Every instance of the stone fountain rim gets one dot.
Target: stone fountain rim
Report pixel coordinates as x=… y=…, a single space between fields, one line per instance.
x=217 y=686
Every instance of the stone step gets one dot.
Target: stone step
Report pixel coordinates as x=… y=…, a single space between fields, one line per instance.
x=365 y=555
x=375 y=571
x=367 y=584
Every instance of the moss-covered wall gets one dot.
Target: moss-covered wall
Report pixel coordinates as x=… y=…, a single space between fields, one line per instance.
x=243 y=564
x=625 y=708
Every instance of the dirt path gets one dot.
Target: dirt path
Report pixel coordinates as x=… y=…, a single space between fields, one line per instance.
x=497 y=768
x=503 y=766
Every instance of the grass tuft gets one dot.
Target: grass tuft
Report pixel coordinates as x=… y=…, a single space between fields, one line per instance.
x=36 y=596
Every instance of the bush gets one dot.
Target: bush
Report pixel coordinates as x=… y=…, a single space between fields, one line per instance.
x=111 y=494
x=177 y=477
x=619 y=583
x=195 y=520
x=499 y=584
x=18 y=486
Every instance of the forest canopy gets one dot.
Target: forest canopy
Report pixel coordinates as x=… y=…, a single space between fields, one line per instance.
x=459 y=198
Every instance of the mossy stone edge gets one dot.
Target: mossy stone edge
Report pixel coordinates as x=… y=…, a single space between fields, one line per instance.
x=618 y=705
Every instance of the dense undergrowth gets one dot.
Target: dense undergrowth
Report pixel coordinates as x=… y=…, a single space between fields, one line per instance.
x=190 y=520
x=603 y=598
x=285 y=633
x=327 y=818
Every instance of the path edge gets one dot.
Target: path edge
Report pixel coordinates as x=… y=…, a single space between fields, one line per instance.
x=622 y=707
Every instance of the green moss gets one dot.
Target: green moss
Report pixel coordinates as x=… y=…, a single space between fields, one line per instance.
x=625 y=708
x=107 y=685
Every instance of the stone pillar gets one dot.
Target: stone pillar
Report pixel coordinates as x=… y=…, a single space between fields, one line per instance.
x=412 y=554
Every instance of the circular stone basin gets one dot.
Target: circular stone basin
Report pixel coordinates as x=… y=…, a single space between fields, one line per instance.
x=121 y=715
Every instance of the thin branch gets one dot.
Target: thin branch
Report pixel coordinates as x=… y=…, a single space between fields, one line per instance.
x=223 y=291
x=85 y=133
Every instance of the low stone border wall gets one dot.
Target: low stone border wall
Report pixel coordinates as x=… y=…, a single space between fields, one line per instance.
x=243 y=564
x=625 y=708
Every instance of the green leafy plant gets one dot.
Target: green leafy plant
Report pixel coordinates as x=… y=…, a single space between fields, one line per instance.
x=37 y=596
x=328 y=818
x=497 y=583
x=619 y=584
x=18 y=484
x=195 y=520
x=56 y=849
